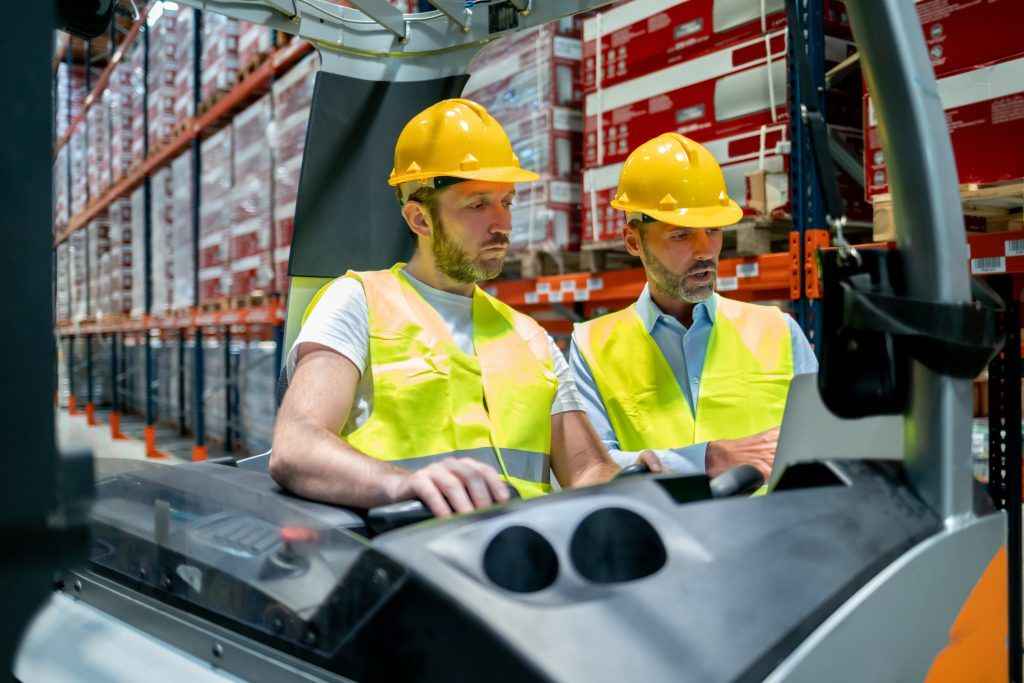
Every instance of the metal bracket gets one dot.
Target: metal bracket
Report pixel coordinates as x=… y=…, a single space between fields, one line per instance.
x=378 y=10
x=456 y=11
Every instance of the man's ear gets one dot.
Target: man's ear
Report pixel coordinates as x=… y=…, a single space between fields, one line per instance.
x=417 y=217
x=631 y=238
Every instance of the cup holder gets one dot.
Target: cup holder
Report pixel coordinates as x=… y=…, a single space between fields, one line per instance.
x=520 y=560
x=614 y=545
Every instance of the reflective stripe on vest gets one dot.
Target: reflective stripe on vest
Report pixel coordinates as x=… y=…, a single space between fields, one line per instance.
x=743 y=386
x=431 y=400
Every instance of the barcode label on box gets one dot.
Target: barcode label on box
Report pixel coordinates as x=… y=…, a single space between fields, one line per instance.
x=531 y=297
x=595 y=283
x=728 y=284
x=1014 y=247
x=581 y=295
x=568 y=285
x=543 y=287
x=555 y=297
x=747 y=270
x=993 y=264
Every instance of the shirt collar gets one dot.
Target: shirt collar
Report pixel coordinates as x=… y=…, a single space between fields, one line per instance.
x=650 y=313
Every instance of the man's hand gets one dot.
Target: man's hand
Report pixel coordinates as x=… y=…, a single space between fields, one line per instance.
x=757 y=450
x=451 y=485
x=652 y=461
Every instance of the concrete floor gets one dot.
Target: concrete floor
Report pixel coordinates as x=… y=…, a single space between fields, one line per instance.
x=74 y=432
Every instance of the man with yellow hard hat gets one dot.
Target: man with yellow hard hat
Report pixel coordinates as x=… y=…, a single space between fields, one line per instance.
x=413 y=382
x=697 y=377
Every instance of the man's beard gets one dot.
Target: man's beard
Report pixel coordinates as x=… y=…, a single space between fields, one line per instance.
x=453 y=261
x=674 y=285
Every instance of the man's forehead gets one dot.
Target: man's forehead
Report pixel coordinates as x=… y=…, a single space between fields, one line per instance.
x=481 y=187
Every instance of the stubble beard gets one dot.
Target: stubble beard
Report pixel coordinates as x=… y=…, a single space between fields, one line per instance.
x=452 y=260
x=674 y=285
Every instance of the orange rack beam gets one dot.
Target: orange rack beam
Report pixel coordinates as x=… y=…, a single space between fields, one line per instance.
x=272 y=314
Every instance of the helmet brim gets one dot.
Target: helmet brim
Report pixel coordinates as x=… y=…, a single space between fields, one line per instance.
x=500 y=174
x=693 y=217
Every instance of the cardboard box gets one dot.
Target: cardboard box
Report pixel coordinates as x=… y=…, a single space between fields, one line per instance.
x=965 y=34
x=162 y=247
x=183 y=243
x=640 y=37
x=250 y=231
x=985 y=113
x=215 y=215
x=549 y=142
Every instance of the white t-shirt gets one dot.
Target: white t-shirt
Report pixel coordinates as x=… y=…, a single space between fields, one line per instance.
x=340 y=321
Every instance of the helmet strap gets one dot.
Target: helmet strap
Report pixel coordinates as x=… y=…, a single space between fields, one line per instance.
x=436 y=183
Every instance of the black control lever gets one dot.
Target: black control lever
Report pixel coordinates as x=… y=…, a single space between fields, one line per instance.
x=736 y=481
x=633 y=470
x=396 y=515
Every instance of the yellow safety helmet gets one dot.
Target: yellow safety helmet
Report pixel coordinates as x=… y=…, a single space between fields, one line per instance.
x=674 y=180
x=456 y=138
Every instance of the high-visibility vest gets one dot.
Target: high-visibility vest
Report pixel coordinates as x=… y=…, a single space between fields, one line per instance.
x=431 y=400
x=743 y=386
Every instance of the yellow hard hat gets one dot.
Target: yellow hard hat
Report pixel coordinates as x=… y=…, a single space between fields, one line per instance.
x=459 y=139
x=675 y=180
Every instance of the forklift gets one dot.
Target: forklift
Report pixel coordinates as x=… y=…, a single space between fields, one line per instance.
x=869 y=559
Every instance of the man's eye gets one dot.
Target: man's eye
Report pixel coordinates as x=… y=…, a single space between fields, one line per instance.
x=478 y=205
x=679 y=235
x=508 y=203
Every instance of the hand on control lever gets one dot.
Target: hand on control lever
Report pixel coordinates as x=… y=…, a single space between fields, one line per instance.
x=646 y=462
x=453 y=485
x=757 y=450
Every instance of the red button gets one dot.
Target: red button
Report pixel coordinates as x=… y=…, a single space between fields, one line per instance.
x=298 y=534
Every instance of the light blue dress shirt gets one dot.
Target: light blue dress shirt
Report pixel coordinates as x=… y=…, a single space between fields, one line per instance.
x=684 y=349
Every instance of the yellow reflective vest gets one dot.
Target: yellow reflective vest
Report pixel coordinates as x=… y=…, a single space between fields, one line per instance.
x=743 y=386
x=431 y=400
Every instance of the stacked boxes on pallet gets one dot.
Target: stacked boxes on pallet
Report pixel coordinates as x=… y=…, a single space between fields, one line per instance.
x=72 y=89
x=98 y=249
x=77 y=260
x=138 y=224
x=63 y=284
x=722 y=82
x=254 y=41
x=184 y=64
x=220 y=55
x=530 y=83
x=163 y=72
x=215 y=213
x=183 y=243
x=292 y=95
x=98 y=141
x=163 y=238
x=978 y=59
x=257 y=377
x=118 y=272
x=122 y=111
x=61 y=206
x=250 y=254
x=78 y=152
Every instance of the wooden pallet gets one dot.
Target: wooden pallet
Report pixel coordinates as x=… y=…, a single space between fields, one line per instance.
x=987 y=208
x=533 y=263
x=234 y=303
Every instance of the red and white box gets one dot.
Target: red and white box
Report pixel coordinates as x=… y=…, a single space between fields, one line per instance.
x=183 y=244
x=162 y=247
x=163 y=50
x=545 y=216
x=985 y=113
x=77 y=271
x=637 y=38
x=549 y=141
x=98 y=247
x=524 y=49
x=138 y=218
x=292 y=96
x=964 y=34
x=215 y=214
x=121 y=112
x=136 y=62
x=121 y=257
x=78 y=150
x=220 y=55
x=61 y=206
x=98 y=173
x=184 y=76
x=251 y=258
x=62 y=310
x=254 y=40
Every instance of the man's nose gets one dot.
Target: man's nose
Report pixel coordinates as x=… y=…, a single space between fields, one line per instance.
x=501 y=222
x=703 y=246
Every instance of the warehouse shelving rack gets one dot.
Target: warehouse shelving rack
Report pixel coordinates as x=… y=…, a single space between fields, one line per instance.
x=194 y=324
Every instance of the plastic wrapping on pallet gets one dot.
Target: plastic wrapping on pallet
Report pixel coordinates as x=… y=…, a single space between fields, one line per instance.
x=220 y=55
x=162 y=245
x=548 y=141
x=100 y=281
x=257 y=380
x=72 y=89
x=98 y=142
x=636 y=38
x=721 y=94
x=254 y=41
x=292 y=97
x=138 y=217
x=984 y=111
x=545 y=216
x=183 y=242
x=163 y=69
x=121 y=256
x=184 y=59
x=215 y=214
x=122 y=92
x=61 y=199
x=77 y=271
x=62 y=309
x=252 y=268
x=214 y=398
x=136 y=64
x=78 y=151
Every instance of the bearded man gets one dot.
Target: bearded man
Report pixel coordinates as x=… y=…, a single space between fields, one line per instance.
x=699 y=378
x=413 y=382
